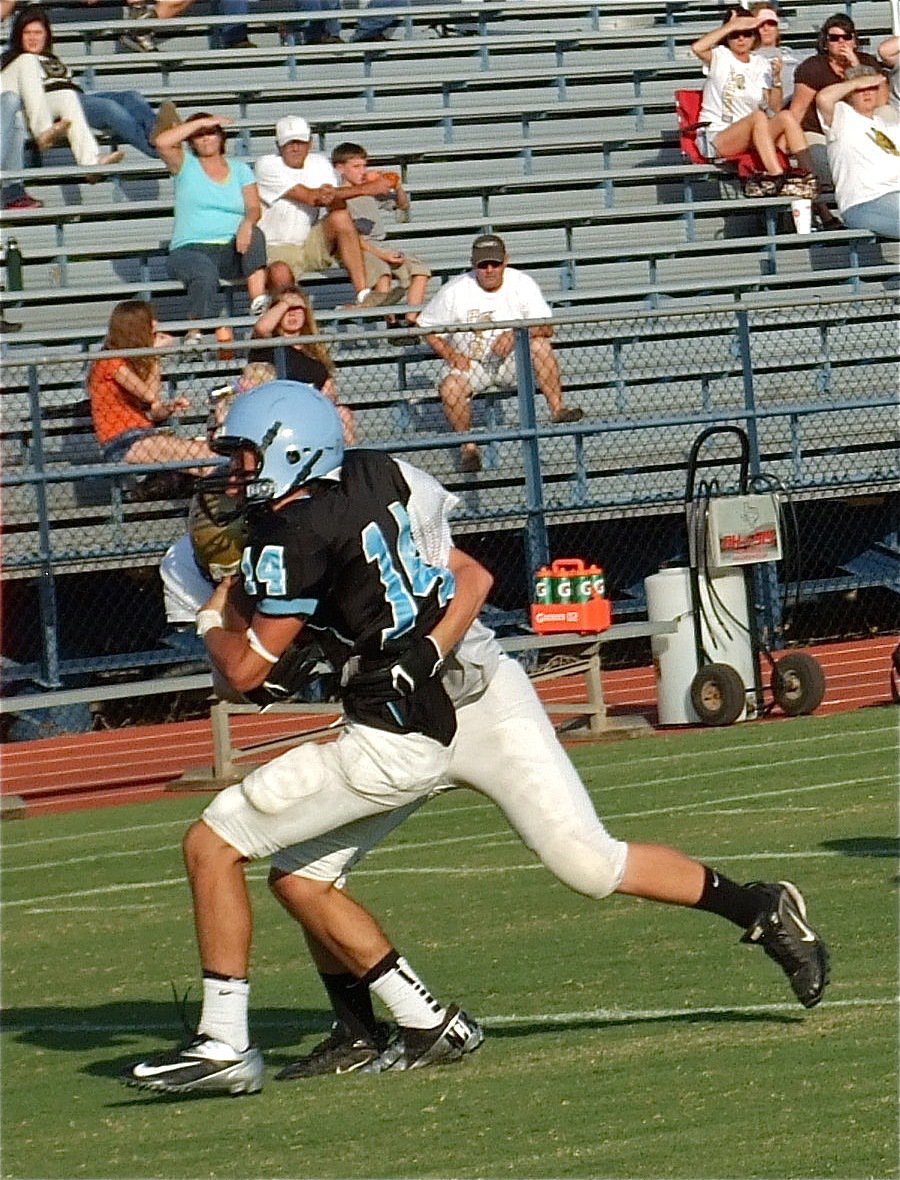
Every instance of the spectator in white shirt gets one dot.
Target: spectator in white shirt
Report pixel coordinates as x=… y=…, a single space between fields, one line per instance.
x=482 y=358
x=305 y=219
x=742 y=98
x=863 y=151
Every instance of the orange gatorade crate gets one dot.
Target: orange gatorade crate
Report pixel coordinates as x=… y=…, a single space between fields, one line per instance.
x=570 y=598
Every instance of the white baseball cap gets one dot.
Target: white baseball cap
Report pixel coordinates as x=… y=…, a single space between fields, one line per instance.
x=290 y=128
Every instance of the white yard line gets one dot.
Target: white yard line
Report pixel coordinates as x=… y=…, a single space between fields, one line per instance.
x=37 y=905
x=500 y=1020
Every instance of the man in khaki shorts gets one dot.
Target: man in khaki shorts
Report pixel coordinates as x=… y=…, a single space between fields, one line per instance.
x=482 y=357
x=305 y=219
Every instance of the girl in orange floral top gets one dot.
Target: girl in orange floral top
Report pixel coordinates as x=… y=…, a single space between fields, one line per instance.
x=127 y=405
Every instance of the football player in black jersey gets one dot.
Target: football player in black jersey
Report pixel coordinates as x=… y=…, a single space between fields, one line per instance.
x=330 y=542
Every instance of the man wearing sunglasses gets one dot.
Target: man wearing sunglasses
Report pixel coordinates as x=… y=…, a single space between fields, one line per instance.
x=482 y=358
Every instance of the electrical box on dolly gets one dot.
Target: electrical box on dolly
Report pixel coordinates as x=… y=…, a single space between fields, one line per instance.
x=709 y=670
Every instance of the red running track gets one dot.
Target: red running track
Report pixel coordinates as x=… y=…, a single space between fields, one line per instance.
x=135 y=764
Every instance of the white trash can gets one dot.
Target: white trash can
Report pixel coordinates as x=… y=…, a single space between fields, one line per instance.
x=725 y=633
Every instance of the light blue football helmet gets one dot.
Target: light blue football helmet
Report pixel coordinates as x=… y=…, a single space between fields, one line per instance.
x=295 y=431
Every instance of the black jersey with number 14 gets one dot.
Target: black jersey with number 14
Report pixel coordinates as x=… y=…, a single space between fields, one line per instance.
x=344 y=557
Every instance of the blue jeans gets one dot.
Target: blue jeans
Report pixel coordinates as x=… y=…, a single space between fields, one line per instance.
x=231 y=34
x=314 y=31
x=368 y=27
x=200 y=265
x=12 y=143
x=881 y=216
x=125 y=114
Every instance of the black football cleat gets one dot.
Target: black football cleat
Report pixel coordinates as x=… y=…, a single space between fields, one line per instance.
x=340 y=1052
x=203 y=1066
x=415 y=1048
x=783 y=932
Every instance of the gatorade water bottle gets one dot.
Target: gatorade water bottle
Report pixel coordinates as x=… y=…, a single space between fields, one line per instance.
x=582 y=587
x=563 y=589
x=543 y=586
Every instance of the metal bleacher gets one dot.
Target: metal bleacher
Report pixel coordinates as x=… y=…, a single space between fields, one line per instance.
x=551 y=124
x=482 y=126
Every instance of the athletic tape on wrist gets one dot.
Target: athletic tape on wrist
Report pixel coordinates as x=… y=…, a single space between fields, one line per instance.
x=207 y=620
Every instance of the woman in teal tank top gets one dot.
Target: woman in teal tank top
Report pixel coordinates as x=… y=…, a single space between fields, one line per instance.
x=217 y=208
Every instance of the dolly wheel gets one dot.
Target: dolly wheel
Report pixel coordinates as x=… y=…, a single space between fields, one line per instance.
x=798 y=683
x=718 y=694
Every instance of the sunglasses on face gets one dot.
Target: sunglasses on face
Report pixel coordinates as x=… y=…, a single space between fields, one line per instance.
x=841 y=37
x=768 y=24
x=739 y=33
x=488 y=264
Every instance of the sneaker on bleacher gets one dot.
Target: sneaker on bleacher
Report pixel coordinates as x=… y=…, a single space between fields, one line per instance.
x=141 y=42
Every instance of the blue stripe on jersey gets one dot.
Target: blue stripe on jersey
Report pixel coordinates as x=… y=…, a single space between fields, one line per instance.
x=287 y=606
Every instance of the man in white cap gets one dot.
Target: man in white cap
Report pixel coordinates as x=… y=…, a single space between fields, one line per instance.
x=483 y=358
x=305 y=219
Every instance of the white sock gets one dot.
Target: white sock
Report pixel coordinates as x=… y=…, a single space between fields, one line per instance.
x=407 y=998
x=360 y=295
x=224 y=1014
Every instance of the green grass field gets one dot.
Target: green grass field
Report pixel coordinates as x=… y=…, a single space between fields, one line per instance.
x=624 y=1039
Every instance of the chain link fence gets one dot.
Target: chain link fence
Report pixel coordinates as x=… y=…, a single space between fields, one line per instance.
x=814 y=387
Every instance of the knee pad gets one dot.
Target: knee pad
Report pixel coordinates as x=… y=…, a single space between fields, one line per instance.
x=591 y=863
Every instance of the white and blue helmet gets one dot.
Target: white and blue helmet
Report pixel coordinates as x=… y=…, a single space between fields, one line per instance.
x=295 y=431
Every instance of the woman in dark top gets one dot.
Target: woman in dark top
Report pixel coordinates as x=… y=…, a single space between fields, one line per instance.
x=309 y=361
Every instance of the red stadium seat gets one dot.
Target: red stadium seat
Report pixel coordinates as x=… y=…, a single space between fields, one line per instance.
x=687 y=109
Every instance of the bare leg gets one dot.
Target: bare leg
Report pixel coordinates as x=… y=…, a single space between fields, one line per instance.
x=333 y=923
x=659 y=873
x=788 y=133
x=752 y=130
x=343 y=240
x=167 y=9
x=278 y=277
x=222 y=915
x=162 y=448
x=256 y=283
x=416 y=294
x=546 y=371
x=455 y=394
x=349 y=424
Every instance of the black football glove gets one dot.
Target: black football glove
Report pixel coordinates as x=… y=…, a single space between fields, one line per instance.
x=420 y=663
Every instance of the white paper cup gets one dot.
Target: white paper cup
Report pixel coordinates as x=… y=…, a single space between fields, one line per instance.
x=801 y=211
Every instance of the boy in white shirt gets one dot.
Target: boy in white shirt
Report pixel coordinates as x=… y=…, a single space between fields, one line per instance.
x=383 y=264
